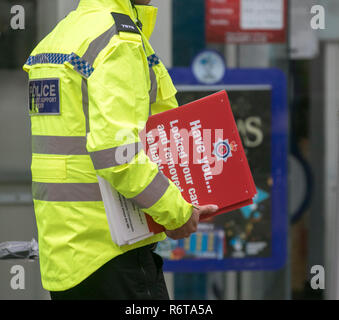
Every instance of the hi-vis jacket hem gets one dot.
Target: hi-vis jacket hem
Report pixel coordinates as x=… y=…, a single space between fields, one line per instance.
x=54 y=281
x=94 y=81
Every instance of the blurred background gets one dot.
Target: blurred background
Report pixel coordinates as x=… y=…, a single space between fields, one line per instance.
x=279 y=62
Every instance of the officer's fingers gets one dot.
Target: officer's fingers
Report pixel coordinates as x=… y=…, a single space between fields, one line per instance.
x=196 y=214
x=193 y=227
x=179 y=233
x=172 y=234
x=210 y=208
x=169 y=232
x=187 y=232
x=178 y=236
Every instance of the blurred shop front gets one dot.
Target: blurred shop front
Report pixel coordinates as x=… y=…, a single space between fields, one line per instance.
x=298 y=42
x=248 y=41
x=281 y=74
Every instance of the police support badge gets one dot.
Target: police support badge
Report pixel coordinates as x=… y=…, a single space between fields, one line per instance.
x=223 y=149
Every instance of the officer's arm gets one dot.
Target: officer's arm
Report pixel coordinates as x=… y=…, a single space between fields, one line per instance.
x=118 y=110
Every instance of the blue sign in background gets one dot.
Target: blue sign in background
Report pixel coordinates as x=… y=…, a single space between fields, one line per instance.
x=251 y=78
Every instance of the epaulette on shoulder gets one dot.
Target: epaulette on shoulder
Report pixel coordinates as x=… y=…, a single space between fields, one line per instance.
x=124 y=23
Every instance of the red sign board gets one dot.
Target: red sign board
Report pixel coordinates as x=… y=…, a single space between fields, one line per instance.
x=246 y=21
x=198 y=147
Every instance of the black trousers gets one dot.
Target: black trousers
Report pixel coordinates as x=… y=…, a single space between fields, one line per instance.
x=134 y=275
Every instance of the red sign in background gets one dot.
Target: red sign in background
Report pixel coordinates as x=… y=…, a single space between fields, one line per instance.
x=245 y=21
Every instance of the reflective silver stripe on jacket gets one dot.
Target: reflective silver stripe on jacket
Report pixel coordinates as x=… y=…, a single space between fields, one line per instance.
x=153 y=192
x=66 y=191
x=61 y=145
x=92 y=52
x=72 y=192
x=98 y=44
x=85 y=98
x=115 y=156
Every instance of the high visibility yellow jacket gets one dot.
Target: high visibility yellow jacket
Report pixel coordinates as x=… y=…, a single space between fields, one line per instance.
x=93 y=82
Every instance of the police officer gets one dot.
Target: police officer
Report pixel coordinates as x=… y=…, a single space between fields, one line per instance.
x=93 y=82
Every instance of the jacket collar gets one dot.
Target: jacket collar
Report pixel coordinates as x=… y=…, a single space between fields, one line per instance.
x=120 y=6
x=146 y=14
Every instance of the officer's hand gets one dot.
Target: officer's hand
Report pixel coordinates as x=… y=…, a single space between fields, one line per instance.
x=192 y=224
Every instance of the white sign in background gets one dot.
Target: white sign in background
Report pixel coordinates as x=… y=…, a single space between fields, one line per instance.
x=262 y=14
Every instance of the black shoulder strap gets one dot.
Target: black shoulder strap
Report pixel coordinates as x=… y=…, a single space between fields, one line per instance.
x=124 y=23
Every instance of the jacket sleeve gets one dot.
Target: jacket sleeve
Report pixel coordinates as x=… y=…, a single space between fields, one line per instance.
x=118 y=110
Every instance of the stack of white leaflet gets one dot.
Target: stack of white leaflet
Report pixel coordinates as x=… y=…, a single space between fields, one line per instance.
x=127 y=223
